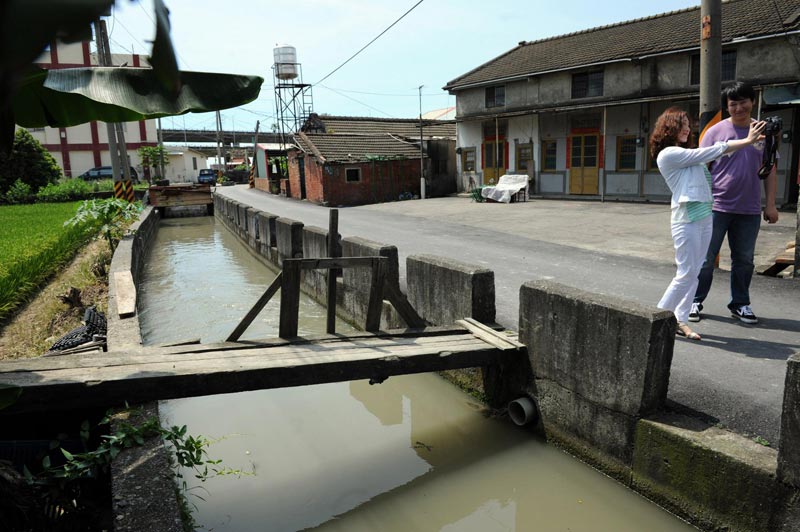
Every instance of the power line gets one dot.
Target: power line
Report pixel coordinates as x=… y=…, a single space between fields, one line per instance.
x=129 y=33
x=370 y=42
x=415 y=95
x=357 y=101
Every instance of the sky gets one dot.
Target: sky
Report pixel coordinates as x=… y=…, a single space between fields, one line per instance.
x=437 y=41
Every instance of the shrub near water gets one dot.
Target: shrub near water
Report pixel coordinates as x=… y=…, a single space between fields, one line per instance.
x=34 y=244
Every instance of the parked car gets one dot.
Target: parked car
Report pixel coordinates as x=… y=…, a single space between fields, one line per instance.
x=207 y=175
x=105 y=172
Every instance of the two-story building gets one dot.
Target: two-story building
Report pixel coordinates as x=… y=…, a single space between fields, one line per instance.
x=85 y=146
x=575 y=111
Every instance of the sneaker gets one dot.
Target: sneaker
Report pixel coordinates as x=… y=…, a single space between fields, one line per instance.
x=694 y=314
x=745 y=314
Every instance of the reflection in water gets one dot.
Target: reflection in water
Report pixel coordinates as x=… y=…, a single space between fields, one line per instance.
x=411 y=454
x=200 y=281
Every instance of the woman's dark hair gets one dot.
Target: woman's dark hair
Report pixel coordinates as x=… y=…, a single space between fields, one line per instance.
x=737 y=91
x=665 y=133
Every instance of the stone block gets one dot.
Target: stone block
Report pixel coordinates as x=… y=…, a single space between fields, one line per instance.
x=788 y=447
x=356 y=282
x=289 y=238
x=611 y=352
x=444 y=290
x=266 y=231
x=315 y=245
x=252 y=227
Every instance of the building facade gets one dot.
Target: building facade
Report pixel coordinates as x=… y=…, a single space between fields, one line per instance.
x=575 y=111
x=80 y=148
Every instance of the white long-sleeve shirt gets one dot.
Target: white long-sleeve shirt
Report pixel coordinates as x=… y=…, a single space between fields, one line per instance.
x=683 y=172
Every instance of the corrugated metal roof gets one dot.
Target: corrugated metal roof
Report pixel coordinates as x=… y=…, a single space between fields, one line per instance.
x=673 y=31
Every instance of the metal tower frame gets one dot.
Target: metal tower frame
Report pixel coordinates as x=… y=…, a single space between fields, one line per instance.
x=294 y=102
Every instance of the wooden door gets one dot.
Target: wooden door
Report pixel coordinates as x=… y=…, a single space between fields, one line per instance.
x=584 y=167
x=494 y=161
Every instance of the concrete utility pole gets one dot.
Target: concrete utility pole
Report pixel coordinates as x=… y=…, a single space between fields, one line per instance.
x=421 y=160
x=119 y=151
x=710 y=63
x=219 y=143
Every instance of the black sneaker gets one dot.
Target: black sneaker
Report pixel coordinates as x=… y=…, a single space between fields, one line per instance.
x=694 y=314
x=745 y=314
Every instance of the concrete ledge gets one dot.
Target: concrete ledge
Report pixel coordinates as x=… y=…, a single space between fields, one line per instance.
x=609 y=351
x=789 y=445
x=289 y=236
x=443 y=290
x=356 y=281
x=715 y=478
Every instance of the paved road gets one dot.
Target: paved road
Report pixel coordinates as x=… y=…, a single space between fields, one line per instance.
x=735 y=375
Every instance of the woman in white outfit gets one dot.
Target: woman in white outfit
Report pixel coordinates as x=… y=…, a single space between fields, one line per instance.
x=684 y=170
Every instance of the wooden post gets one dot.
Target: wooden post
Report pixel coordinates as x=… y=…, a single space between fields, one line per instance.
x=375 y=305
x=290 y=298
x=333 y=237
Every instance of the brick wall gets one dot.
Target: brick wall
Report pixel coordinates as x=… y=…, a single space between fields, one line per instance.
x=380 y=181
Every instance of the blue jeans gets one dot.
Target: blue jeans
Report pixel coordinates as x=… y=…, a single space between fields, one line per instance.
x=742 y=231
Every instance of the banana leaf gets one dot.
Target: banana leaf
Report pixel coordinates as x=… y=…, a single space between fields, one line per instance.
x=72 y=96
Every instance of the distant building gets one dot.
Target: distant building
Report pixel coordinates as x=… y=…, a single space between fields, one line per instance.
x=80 y=148
x=575 y=111
x=184 y=164
x=356 y=160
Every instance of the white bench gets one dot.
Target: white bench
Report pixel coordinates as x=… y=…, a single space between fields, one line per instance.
x=507 y=186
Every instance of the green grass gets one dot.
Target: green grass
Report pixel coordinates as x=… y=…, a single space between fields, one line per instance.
x=34 y=244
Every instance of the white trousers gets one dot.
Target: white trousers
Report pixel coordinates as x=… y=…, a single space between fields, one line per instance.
x=691 y=245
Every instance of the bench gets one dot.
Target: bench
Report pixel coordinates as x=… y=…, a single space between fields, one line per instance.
x=784 y=260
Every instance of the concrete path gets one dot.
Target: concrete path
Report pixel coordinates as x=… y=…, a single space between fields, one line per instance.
x=735 y=375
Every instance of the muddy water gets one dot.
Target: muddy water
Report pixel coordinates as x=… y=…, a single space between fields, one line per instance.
x=411 y=454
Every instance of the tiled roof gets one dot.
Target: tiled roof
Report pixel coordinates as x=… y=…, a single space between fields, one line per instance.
x=676 y=30
x=340 y=147
x=401 y=127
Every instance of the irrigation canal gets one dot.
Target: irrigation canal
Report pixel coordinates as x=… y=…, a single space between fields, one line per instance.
x=413 y=453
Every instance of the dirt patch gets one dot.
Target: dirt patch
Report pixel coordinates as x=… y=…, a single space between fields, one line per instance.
x=36 y=326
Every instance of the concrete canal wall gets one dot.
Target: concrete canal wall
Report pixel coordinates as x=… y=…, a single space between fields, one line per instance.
x=598 y=370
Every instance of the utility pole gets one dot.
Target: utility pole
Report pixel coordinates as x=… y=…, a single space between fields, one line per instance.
x=219 y=144
x=421 y=160
x=115 y=130
x=160 y=150
x=710 y=59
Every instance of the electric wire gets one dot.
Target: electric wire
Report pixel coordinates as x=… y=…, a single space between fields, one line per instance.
x=369 y=43
x=358 y=102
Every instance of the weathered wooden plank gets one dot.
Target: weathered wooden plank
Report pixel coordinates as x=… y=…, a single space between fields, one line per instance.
x=490 y=335
x=126 y=294
x=258 y=307
x=402 y=306
x=289 y=350
x=375 y=301
x=290 y=298
x=70 y=388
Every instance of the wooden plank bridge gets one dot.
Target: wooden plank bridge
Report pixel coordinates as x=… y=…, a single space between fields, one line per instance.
x=96 y=379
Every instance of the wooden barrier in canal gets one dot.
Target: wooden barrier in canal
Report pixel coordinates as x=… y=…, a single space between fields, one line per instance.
x=180 y=195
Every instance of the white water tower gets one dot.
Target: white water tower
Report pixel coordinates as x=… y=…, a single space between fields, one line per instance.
x=293 y=98
x=285 y=61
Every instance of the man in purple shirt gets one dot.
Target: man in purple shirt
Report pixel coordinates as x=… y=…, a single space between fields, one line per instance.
x=736 y=188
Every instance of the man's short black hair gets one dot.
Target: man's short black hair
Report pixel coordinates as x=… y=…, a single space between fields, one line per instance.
x=738 y=91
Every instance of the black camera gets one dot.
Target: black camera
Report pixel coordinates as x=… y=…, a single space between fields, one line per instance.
x=773 y=126
x=772 y=129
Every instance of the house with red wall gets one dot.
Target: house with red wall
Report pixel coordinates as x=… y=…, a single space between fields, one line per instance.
x=350 y=169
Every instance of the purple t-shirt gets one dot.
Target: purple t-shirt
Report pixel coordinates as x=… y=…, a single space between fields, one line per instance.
x=736 y=186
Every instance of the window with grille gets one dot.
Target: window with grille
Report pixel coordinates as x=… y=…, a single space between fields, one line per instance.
x=549 y=152
x=496 y=96
x=587 y=84
x=626 y=153
x=524 y=157
x=468 y=157
x=727 y=67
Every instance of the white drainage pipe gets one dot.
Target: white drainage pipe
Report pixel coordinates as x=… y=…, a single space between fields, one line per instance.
x=522 y=411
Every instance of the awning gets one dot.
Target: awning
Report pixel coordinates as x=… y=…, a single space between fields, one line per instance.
x=784 y=95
